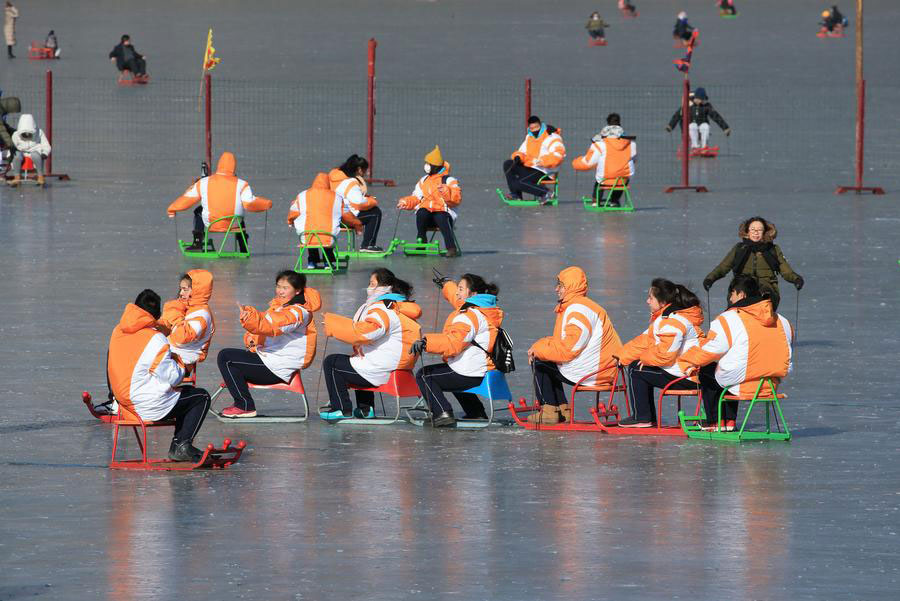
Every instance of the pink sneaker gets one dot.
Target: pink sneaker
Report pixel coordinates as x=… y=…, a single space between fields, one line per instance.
x=237 y=412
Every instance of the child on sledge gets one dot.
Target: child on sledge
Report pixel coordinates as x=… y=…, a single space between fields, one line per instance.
x=595 y=26
x=279 y=342
x=188 y=321
x=833 y=21
x=382 y=332
x=727 y=7
x=434 y=198
x=465 y=345
x=676 y=318
x=349 y=183
x=583 y=342
x=612 y=155
x=698 y=127
x=29 y=140
x=318 y=209
x=682 y=31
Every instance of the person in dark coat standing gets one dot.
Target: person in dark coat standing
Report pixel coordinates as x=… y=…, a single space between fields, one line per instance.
x=757 y=255
x=127 y=58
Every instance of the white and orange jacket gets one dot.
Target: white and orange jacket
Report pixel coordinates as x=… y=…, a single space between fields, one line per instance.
x=474 y=320
x=428 y=196
x=381 y=336
x=612 y=157
x=190 y=325
x=319 y=209
x=284 y=336
x=221 y=194
x=670 y=335
x=584 y=339
x=750 y=342
x=354 y=194
x=544 y=153
x=142 y=371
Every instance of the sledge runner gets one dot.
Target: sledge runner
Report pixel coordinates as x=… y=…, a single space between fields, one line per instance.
x=698 y=128
x=435 y=196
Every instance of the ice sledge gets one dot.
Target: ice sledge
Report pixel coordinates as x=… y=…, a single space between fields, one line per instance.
x=493 y=388
x=433 y=246
x=127 y=78
x=598 y=204
x=599 y=42
x=107 y=417
x=770 y=398
x=609 y=423
x=401 y=384
x=608 y=412
x=351 y=252
x=234 y=231
x=549 y=180
x=314 y=239
x=295 y=386
x=39 y=52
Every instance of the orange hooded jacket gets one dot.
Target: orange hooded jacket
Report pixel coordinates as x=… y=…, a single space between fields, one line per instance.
x=189 y=324
x=612 y=157
x=427 y=194
x=319 y=209
x=544 y=153
x=669 y=335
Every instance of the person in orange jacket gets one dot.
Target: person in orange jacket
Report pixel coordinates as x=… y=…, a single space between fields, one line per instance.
x=278 y=341
x=540 y=153
x=434 y=198
x=583 y=343
x=319 y=209
x=354 y=193
x=144 y=376
x=465 y=344
x=746 y=343
x=188 y=321
x=381 y=332
x=676 y=318
x=220 y=195
x=612 y=156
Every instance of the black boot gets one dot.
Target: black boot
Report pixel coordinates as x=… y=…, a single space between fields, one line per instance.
x=197 y=244
x=184 y=451
x=9 y=51
x=242 y=241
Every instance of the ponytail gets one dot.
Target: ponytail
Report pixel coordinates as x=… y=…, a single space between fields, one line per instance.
x=386 y=277
x=353 y=164
x=478 y=286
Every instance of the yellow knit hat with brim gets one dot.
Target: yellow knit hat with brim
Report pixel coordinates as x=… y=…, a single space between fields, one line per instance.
x=826 y=13
x=434 y=157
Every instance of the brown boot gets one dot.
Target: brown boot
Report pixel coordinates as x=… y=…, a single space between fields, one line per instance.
x=548 y=415
x=564 y=413
x=40 y=180
x=15 y=181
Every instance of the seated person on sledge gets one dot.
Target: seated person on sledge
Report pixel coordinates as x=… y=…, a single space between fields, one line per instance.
x=612 y=157
x=540 y=153
x=127 y=58
x=318 y=209
x=434 y=198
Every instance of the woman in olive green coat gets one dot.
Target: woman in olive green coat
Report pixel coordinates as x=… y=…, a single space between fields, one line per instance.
x=757 y=255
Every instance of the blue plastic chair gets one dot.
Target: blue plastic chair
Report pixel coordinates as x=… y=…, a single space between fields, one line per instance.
x=493 y=387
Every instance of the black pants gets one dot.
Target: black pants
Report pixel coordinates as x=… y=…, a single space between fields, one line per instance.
x=710 y=391
x=614 y=195
x=137 y=66
x=339 y=375
x=548 y=383
x=521 y=179
x=189 y=412
x=642 y=381
x=200 y=229
x=596 y=33
x=240 y=367
x=315 y=255
x=435 y=380
x=441 y=220
x=371 y=220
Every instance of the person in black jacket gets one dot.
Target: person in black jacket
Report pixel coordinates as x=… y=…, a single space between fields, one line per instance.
x=682 y=30
x=833 y=21
x=127 y=58
x=701 y=112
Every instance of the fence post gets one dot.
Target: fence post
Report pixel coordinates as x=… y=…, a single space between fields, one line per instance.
x=370 y=117
x=208 y=121
x=48 y=119
x=527 y=100
x=685 y=145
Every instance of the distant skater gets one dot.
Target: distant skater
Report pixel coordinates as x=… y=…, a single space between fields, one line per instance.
x=596 y=27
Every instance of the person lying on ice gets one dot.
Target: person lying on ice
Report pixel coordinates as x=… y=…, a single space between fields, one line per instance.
x=144 y=376
x=352 y=190
x=188 y=320
x=319 y=209
x=746 y=343
x=278 y=341
x=612 y=155
x=433 y=200
x=220 y=195
x=682 y=30
x=381 y=332
x=541 y=152
x=583 y=342
x=29 y=140
x=676 y=318
x=701 y=112
x=464 y=344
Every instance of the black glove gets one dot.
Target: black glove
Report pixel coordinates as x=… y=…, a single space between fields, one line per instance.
x=707 y=284
x=799 y=283
x=439 y=279
x=517 y=159
x=418 y=347
x=668 y=128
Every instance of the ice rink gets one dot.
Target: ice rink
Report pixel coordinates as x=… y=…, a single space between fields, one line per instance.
x=318 y=511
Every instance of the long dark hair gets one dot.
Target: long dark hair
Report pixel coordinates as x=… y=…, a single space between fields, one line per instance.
x=678 y=297
x=353 y=164
x=479 y=286
x=297 y=282
x=386 y=277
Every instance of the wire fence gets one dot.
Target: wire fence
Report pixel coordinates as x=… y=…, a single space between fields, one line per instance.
x=293 y=129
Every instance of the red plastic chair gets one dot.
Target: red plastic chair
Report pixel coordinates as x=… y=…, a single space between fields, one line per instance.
x=295 y=386
x=400 y=384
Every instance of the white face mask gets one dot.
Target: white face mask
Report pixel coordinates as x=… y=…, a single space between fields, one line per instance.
x=427 y=169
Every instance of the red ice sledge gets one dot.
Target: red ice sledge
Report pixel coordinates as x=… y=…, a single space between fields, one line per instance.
x=212 y=458
x=126 y=78
x=600 y=42
x=707 y=152
x=609 y=425
x=609 y=409
x=630 y=14
x=38 y=52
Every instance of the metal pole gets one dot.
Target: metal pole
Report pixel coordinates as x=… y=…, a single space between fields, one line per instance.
x=685 y=124
x=48 y=118
x=527 y=100
x=860 y=95
x=208 y=81
x=370 y=126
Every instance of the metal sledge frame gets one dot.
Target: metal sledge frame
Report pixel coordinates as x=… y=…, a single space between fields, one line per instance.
x=548 y=180
x=38 y=52
x=593 y=204
x=190 y=379
x=352 y=252
x=611 y=427
x=606 y=411
x=295 y=386
x=493 y=387
x=691 y=424
x=339 y=264
x=431 y=247
x=127 y=78
x=400 y=384
x=234 y=230
x=212 y=458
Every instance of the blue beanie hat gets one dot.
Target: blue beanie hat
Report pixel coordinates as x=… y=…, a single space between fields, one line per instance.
x=700 y=93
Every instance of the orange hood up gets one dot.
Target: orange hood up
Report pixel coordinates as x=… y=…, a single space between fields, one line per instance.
x=226 y=164
x=135 y=319
x=761 y=311
x=320 y=182
x=574 y=283
x=201 y=287
x=692 y=314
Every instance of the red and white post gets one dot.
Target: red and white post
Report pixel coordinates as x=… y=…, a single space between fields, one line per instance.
x=370 y=118
x=685 y=143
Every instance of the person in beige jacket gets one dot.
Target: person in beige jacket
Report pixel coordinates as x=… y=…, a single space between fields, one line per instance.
x=9 y=27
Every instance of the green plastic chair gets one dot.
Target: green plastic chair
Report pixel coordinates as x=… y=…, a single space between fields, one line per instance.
x=350 y=250
x=314 y=239
x=234 y=230
x=549 y=180
x=594 y=204
x=691 y=424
